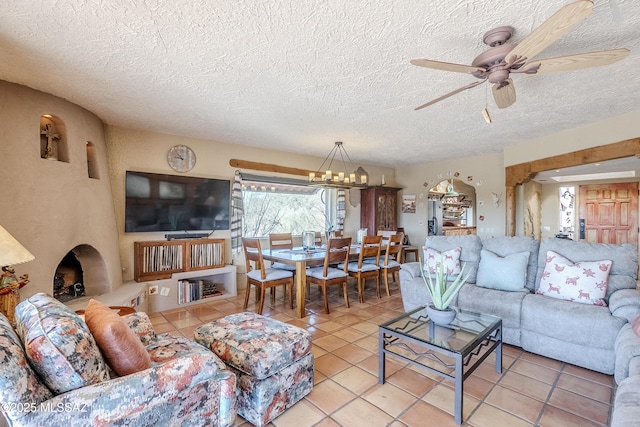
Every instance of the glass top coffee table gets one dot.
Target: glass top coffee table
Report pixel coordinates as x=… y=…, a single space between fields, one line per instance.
x=453 y=351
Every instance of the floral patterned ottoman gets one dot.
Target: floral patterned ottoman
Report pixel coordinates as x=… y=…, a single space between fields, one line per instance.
x=272 y=361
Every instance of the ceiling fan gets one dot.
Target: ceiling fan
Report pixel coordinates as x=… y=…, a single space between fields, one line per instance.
x=503 y=59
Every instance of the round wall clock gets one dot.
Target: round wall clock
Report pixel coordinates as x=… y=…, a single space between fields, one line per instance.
x=181 y=158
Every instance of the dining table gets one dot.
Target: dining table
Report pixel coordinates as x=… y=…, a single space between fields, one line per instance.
x=302 y=258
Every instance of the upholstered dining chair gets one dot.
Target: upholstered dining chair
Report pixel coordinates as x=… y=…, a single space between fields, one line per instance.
x=260 y=276
x=361 y=270
x=337 y=252
x=390 y=263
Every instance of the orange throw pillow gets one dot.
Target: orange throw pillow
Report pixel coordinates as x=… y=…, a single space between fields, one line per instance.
x=121 y=347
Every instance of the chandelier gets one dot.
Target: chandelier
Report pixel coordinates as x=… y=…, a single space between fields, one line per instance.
x=339 y=179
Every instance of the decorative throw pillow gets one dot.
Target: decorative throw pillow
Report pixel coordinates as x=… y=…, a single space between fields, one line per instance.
x=507 y=273
x=585 y=282
x=120 y=346
x=451 y=259
x=58 y=344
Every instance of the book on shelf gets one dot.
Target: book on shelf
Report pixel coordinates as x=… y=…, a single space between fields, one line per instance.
x=196 y=289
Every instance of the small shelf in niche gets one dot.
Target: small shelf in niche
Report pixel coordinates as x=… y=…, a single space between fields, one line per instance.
x=53 y=141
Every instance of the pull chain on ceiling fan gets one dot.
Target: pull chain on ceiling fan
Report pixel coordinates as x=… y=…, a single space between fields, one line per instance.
x=503 y=59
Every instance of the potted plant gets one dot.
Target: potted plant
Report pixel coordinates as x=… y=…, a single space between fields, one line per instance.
x=442 y=292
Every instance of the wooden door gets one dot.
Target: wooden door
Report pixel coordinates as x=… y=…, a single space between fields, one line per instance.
x=609 y=212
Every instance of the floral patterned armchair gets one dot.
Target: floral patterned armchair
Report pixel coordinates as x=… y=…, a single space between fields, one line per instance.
x=186 y=385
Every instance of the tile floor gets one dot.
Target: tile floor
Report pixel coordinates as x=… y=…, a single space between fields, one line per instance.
x=530 y=391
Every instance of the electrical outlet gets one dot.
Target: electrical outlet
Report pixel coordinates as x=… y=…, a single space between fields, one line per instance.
x=153 y=289
x=164 y=291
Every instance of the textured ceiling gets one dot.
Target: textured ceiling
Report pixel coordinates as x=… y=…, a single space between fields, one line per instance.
x=299 y=75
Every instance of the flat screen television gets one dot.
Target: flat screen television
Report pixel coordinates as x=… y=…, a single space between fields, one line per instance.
x=159 y=202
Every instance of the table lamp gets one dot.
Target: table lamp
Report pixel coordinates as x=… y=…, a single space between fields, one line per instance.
x=11 y=252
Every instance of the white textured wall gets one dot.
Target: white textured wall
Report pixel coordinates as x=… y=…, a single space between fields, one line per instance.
x=50 y=206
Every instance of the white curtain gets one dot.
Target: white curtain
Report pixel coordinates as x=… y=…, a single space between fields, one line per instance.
x=237 y=211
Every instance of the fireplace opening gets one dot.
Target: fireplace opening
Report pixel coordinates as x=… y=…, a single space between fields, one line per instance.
x=68 y=281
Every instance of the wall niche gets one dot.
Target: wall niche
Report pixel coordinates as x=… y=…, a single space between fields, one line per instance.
x=53 y=139
x=92 y=161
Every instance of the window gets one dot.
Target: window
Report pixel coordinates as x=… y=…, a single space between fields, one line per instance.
x=282 y=207
x=567 y=211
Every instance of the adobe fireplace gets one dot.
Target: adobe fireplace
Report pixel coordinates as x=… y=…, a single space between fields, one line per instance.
x=81 y=272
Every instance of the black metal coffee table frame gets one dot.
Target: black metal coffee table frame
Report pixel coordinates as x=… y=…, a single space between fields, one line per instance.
x=480 y=335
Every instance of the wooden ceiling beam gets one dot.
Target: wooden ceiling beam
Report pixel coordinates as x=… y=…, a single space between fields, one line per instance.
x=268 y=167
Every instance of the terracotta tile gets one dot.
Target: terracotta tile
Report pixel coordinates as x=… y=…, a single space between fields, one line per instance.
x=360 y=413
x=443 y=397
x=369 y=342
x=366 y=327
x=541 y=360
x=164 y=327
x=327 y=422
x=349 y=334
x=389 y=398
x=302 y=414
x=584 y=387
x=392 y=366
x=352 y=353
x=554 y=417
x=348 y=319
x=525 y=385
x=590 y=375
x=187 y=321
x=330 y=365
x=330 y=342
x=418 y=414
x=489 y=416
x=535 y=371
x=515 y=403
x=330 y=326
x=411 y=381
x=580 y=405
x=356 y=380
x=329 y=396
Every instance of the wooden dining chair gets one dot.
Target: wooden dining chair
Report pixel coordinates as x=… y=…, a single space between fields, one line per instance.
x=281 y=241
x=337 y=252
x=260 y=276
x=390 y=263
x=318 y=239
x=361 y=270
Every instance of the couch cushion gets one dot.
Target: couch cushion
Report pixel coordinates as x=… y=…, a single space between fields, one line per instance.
x=584 y=282
x=581 y=334
x=121 y=347
x=506 y=305
x=627 y=348
x=19 y=384
x=623 y=272
x=626 y=409
x=58 y=344
x=507 y=245
x=470 y=255
x=450 y=260
x=507 y=273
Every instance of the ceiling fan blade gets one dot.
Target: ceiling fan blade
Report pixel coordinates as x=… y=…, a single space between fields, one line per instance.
x=552 y=29
x=579 y=61
x=505 y=94
x=446 y=66
x=445 y=96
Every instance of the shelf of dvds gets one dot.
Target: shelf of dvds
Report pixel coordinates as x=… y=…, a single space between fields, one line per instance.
x=155 y=260
x=193 y=287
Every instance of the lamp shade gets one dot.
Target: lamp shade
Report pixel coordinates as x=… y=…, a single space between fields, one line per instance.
x=11 y=251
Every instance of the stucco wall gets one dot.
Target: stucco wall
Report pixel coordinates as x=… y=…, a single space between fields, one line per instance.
x=147 y=151
x=487 y=176
x=50 y=206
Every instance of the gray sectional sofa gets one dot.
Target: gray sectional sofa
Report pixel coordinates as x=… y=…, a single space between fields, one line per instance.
x=591 y=336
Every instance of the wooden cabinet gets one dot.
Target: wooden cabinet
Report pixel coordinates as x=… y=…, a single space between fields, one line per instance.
x=379 y=209
x=155 y=260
